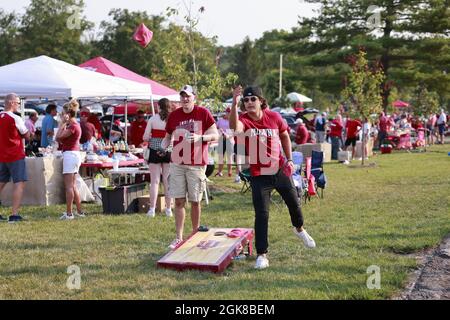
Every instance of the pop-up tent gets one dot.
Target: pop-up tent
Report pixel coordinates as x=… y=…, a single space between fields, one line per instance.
x=105 y=66
x=400 y=104
x=45 y=77
x=297 y=97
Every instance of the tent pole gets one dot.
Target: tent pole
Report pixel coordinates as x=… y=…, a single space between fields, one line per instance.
x=151 y=103
x=22 y=108
x=126 y=120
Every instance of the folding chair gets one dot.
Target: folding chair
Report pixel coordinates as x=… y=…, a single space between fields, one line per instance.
x=245 y=177
x=310 y=181
x=317 y=170
x=297 y=177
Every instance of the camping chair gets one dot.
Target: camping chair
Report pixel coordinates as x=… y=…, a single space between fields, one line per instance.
x=317 y=171
x=297 y=177
x=245 y=177
x=309 y=181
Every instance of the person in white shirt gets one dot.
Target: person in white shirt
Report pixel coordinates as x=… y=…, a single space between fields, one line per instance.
x=441 y=122
x=159 y=158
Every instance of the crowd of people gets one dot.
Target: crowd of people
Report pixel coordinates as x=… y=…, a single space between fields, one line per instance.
x=178 y=138
x=343 y=131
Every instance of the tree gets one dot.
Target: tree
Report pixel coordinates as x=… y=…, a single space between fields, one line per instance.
x=425 y=102
x=9 y=37
x=202 y=66
x=117 y=45
x=363 y=90
x=54 y=28
x=408 y=37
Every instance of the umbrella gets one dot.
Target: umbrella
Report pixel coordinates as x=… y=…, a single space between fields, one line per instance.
x=400 y=104
x=297 y=97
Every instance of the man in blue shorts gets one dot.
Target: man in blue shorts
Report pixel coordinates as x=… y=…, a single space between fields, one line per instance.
x=12 y=157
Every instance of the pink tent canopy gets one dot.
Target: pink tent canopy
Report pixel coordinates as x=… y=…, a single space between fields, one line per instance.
x=400 y=104
x=105 y=66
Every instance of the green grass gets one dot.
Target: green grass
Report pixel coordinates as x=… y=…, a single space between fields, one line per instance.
x=370 y=216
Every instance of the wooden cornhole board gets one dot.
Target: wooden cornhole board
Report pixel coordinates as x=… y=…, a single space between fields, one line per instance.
x=208 y=252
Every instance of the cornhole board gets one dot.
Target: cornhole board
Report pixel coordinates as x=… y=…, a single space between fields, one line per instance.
x=206 y=251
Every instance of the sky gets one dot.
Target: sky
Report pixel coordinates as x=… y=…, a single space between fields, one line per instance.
x=230 y=20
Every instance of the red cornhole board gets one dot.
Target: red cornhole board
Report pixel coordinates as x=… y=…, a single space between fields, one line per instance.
x=207 y=251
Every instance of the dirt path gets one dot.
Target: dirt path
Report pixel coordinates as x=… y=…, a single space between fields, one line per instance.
x=432 y=280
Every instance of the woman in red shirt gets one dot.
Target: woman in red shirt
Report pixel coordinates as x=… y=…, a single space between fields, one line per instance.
x=68 y=137
x=267 y=133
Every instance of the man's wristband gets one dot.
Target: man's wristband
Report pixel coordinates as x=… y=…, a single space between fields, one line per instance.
x=290 y=160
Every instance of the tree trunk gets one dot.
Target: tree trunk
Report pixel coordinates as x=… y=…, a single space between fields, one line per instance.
x=385 y=57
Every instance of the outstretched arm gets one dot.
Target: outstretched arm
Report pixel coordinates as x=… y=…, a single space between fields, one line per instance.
x=236 y=125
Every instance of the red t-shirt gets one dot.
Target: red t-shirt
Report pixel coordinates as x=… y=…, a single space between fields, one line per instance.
x=137 y=132
x=12 y=128
x=72 y=142
x=87 y=132
x=263 y=145
x=336 y=128
x=302 y=135
x=97 y=124
x=179 y=124
x=352 y=128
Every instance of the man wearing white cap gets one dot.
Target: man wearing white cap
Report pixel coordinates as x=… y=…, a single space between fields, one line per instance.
x=190 y=128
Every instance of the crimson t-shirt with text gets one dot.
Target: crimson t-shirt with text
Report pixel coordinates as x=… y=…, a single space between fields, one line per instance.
x=263 y=144
x=179 y=123
x=12 y=128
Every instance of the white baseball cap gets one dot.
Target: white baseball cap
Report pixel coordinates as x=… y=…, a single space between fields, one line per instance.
x=188 y=90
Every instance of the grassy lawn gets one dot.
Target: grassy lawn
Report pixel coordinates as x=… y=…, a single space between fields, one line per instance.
x=370 y=216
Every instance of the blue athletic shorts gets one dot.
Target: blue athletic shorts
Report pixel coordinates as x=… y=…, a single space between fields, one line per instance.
x=16 y=171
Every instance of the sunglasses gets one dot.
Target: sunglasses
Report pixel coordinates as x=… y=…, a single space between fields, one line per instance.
x=252 y=99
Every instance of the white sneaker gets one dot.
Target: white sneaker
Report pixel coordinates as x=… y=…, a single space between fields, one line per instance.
x=151 y=213
x=262 y=262
x=66 y=216
x=346 y=162
x=175 y=243
x=307 y=239
x=81 y=214
x=237 y=179
x=169 y=212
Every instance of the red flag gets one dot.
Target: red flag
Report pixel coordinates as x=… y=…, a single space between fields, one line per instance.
x=143 y=35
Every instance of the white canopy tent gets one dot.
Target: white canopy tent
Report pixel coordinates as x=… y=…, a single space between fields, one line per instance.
x=47 y=78
x=297 y=97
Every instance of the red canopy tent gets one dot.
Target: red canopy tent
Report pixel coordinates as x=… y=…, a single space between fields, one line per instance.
x=105 y=66
x=400 y=104
x=108 y=67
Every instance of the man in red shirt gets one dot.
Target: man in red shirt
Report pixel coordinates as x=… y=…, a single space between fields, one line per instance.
x=353 y=126
x=302 y=134
x=138 y=129
x=336 y=136
x=12 y=155
x=190 y=128
x=267 y=133
x=87 y=129
x=93 y=118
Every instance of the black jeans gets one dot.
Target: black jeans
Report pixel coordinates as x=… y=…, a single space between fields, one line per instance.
x=262 y=187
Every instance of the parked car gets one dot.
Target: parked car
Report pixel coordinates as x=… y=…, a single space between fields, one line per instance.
x=40 y=107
